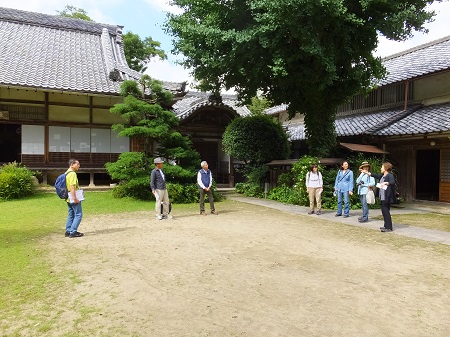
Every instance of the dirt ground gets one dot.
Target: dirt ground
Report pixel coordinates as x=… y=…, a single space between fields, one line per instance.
x=249 y=271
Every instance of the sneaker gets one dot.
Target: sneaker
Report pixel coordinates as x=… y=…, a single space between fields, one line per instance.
x=202 y=213
x=311 y=212
x=318 y=213
x=214 y=212
x=67 y=234
x=384 y=230
x=337 y=214
x=76 y=235
x=346 y=216
x=159 y=217
x=165 y=216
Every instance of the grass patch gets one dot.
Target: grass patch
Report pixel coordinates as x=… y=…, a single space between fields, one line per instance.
x=435 y=221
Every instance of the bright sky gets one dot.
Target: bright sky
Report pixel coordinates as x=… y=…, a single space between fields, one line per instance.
x=146 y=18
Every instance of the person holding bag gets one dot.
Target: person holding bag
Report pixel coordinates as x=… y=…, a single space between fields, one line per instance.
x=314 y=186
x=387 y=193
x=343 y=186
x=364 y=182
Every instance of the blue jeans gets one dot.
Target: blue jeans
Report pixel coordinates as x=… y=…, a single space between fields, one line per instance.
x=74 y=217
x=365 y=207
x=346 y=197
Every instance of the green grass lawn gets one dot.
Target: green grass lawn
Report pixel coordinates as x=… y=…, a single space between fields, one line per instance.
x=25 y=275
x=436 y=221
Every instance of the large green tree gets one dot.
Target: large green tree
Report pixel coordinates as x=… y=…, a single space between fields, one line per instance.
x=139 y=52
x=312 y=54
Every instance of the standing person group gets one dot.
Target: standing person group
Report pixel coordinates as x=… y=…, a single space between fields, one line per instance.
x=314 y=186
x=159 y=189
x=343 y=187
x=204 y=182
x=386 y=193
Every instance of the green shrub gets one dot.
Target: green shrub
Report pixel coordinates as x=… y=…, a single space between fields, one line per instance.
x=16 y=181
x=250 y=190
x=138 y=188
x=286 y=194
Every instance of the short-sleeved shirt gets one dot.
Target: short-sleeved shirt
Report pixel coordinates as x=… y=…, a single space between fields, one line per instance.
x=71 y=179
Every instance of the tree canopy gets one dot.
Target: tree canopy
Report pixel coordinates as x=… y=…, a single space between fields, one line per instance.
x=139 y=52
x=312 y=54
x=256 y=139
x=74 y=12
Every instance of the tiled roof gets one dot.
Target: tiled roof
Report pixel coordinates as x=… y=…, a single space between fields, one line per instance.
x=58 y=53
x=387 y=122
x=276 y=109
x=195 y=100
x=429 y=119
x=367 y=123
x=418 y=61
x=296 y=131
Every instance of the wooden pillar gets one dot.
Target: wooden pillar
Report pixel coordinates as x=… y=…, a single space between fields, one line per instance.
x=91 y=179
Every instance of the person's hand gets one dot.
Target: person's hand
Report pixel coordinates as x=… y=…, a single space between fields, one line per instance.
x=350 y=192
x=76 y=201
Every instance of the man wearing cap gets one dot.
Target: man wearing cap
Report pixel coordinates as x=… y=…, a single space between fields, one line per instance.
x=364 y=182
x=159 y=190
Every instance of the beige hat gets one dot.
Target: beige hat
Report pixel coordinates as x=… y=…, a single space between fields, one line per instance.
x=158 y=161
x=364 y=164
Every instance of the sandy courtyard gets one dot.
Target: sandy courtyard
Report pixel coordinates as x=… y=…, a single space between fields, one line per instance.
x=249 y=271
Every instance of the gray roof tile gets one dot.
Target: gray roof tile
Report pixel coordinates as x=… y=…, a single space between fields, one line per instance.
x=429 y=119
x=425 y=59
x=58 y=53
x=195 y=100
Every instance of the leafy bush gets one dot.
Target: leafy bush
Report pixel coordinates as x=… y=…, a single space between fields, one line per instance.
x=286 y=194
x=138 y=188
x=250 y=190
x=16 y=181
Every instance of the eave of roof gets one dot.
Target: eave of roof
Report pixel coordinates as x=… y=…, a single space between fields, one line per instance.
x=193 y=101
x=418 y=61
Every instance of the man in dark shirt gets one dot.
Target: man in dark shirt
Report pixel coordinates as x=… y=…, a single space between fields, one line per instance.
x=159 y=190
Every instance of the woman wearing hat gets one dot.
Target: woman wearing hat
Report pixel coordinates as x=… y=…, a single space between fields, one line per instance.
x=364 y=182
x=343 y=185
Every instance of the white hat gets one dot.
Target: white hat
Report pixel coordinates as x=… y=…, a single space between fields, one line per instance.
x=158 y=161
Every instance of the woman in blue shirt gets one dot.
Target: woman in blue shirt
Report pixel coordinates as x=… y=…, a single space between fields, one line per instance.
x=343 y=186
x=364 y=182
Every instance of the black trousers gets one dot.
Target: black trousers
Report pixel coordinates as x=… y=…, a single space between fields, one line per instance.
x=386 y=211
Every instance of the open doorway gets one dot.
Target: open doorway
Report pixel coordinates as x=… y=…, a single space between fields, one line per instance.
x=427 y=174
x=10 y=143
